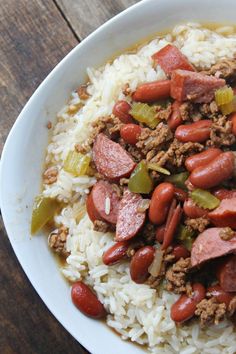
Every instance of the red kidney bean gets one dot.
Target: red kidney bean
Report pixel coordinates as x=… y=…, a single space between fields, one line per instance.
x=192 y=210
x=184 y=308
x=221 y=296
x=172 y=223
x=160 y=233
x=160 y=202
x=115 y=253
x=233 y=119
x=140 y=263
x=180 y=194
x=199 y=292
x=121 y=110
x=175 y=119
x=130 y=133
x=86 y=301
x=152 y=91
x=224 y=193
x=201 y=159
x=179 y=251
x=215 y=172
x=197 y=132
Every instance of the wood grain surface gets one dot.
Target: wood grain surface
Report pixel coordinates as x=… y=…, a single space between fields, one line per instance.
x=34 y=36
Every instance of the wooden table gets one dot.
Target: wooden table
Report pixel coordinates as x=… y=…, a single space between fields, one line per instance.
x=34 y=36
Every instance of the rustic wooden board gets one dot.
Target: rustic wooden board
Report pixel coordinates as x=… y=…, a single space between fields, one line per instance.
x=34 y=38
x=86 y=16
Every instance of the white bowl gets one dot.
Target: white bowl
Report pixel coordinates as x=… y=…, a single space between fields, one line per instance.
x=24 y=151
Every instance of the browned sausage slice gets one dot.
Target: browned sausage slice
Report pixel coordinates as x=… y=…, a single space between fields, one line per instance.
x=111 y=160
x=226 y=274
x=197 y=87
x=209 y=245
x=130 y=219
x=225 y=214
x=170 y=58
x=103 y=203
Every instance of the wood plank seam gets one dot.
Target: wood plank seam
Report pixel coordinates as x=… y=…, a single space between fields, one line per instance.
x=66 y=20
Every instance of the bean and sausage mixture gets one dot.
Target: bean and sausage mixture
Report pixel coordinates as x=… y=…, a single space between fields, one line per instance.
x=165 y=167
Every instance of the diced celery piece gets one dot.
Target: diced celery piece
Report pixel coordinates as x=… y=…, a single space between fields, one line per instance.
x=43 y=210
x=204 y=199
x=155 y=167
x=140 y=181
x=178 y=179
x=144 y=113
x=224 y=95
x=77 y=163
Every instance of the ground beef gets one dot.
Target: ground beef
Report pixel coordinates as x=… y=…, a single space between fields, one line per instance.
x=226 y=233
x=168 y=259
x=225 y=69
x=135 y=153
x=126 y=89
x=151 y=141
x=190 y=112
x=50 y=175
x=57 y=240
x=82 y=92
x=176 y=276
x=221 y=133
x=135 y=245
x=198 y=224
x=49 y=124
x=101 y=226
x=163 y=113
x=108 y=124
x=209 y=110
x=210 y=311
x=177 y=153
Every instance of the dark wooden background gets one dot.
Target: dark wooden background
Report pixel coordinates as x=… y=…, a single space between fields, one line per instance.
x=34 y=36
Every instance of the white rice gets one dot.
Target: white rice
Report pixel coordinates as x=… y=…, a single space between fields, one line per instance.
x=137 y=312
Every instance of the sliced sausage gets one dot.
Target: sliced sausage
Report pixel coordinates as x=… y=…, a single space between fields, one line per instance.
x=192 y=210
x=110 y=159
x=130 y=219
x=215 y=172
x=103 y=203
x=152 y=91
x=225 y=214
x=197 y=87
x=201 y=159
x=170 y=58
x=226 y=274
x=209 y=245
x=224 y=193
x=196 y=132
